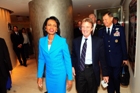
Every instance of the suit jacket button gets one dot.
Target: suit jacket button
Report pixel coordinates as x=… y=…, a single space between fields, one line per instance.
x=108 y=45
x=109 y=50
x=108 y=41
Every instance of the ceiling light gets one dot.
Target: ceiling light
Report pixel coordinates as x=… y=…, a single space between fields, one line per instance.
x=89 y=5
x=78 y=14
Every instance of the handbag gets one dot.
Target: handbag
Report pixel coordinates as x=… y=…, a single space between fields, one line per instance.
x=9 y=83
x=124 y=75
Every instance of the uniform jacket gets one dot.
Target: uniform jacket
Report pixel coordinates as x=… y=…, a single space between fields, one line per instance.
x=115 y=45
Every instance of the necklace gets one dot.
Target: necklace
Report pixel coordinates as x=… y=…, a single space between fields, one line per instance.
x=49 y=40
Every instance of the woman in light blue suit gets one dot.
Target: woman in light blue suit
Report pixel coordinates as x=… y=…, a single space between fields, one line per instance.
x=54 y=53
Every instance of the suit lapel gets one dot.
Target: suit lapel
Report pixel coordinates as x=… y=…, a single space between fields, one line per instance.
x=95 y=28
x=105 y=33
x=54 y=44
x=45 y=44
x=79 y=47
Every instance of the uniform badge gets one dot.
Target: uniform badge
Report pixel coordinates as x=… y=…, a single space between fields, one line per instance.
x=116 y=41
x=117 y=28
x=117 y=33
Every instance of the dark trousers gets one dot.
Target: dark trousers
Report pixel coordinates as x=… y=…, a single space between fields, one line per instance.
x=20 y=54
x=26 y=50
x=86 y=81
x=114 y=81
x=3 y=82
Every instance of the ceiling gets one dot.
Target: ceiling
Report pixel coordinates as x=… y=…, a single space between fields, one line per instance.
x=81 y=8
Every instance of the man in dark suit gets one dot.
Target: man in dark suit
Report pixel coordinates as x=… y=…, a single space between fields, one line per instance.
x=115 y=50
x=96 y=27
x=115 y=21
x=77 y=31
x=87 y=52
x=99 y=22
x=17 y=40
x=5 y=65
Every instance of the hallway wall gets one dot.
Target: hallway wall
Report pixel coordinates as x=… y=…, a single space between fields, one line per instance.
x=38 y=15
x=20 y=21
x=5 y=33
x=134 y=77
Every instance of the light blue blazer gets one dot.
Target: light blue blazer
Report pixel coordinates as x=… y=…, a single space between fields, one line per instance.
x=57 y=59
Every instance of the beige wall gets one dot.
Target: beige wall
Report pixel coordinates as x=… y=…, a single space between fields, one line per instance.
x=134 y=77
x=4 y=33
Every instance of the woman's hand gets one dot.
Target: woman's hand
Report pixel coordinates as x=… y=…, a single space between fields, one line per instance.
x=40 y=82
x=69 y=85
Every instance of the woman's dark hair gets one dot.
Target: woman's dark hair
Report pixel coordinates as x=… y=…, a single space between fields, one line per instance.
x=45 y=22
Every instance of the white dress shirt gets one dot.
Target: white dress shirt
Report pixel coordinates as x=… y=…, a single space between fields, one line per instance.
x=110 y=29
x=94 y=25
x=16 y=33
x=88 y=58
x=26 y=39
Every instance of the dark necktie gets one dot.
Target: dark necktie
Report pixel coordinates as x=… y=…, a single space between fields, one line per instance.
x=108 y=31
x=83 y=55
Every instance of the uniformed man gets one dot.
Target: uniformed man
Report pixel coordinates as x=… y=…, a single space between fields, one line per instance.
x=115 y=49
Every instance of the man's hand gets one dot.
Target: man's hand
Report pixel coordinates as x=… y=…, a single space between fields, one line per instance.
x=20 y=45
x=106 y=79
x=73 y=71
x=125 y=62
x=10 y=72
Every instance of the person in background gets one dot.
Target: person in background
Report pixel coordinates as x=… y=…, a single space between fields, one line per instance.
x=96 y=27
x=87 y=52
x=115 y=50
x=30 y=36
x=17 y=40
x=77 y=31
x=56 y=57
x=99 y=22
x=5 y=65
x=26 y=43
x=115 y=21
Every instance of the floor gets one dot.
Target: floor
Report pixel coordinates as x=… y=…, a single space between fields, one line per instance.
x=24 y=80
